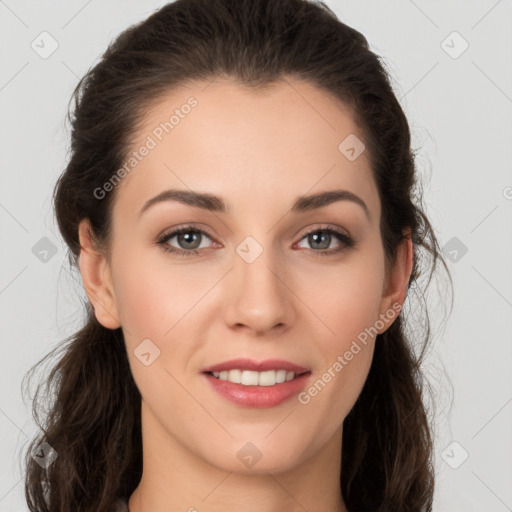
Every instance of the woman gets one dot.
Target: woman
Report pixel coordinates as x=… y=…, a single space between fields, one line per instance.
x=241 y=203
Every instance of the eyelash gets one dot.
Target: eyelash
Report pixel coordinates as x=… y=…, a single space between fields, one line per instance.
x=345 y=239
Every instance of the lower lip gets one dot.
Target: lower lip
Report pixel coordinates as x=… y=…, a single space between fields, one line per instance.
x=258 y=396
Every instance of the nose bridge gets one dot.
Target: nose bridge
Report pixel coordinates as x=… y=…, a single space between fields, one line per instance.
x=258 y=297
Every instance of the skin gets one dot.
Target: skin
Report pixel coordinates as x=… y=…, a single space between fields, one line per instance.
x=259 y=151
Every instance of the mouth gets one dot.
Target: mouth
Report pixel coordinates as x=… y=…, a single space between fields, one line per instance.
x=254 y=378
x=263 y=384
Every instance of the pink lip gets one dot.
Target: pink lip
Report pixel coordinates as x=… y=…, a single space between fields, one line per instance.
x=258 y=396
x=257 y=366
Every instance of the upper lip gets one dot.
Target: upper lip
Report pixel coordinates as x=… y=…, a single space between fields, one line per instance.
x=258 y=366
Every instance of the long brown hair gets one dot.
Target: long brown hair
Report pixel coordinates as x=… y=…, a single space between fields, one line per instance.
x=93 y=422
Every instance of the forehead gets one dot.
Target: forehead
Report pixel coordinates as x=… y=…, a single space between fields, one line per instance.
x=245 y=144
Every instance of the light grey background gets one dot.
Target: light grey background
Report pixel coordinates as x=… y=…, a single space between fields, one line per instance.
x=460 y=115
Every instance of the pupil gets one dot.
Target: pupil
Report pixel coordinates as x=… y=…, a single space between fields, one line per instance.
x=188 y=238
x=319 y=234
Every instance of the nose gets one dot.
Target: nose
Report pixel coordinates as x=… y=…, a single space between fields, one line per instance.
x=258 y=297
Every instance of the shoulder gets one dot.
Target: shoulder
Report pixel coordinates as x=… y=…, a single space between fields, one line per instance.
x=120 y=506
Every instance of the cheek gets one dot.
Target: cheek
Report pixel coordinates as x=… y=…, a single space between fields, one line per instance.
x=346 y=361
x=348 y=303
x=164 y=304
x=154 y=296
x=346 y=298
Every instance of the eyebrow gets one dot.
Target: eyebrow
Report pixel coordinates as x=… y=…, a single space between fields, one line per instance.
x=214 y=203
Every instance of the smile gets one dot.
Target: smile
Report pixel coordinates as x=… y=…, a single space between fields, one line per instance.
x=253 y=378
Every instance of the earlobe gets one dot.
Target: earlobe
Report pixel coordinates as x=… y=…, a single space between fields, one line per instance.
x=397 y=281
x=96 y=278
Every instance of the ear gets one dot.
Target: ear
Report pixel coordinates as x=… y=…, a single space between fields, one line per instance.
x=396 y=282
x=96 y=277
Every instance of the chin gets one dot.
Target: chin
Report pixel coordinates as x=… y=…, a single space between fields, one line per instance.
x=258 y=457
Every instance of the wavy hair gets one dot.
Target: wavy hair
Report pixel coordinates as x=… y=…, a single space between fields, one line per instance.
x=93 y=421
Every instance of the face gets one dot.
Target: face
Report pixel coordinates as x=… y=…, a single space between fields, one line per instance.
x=268 y=276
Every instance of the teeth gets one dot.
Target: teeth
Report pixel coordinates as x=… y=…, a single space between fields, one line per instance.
x=251 y=378
x=280 y=376
x=234 y=376
x=267 y=378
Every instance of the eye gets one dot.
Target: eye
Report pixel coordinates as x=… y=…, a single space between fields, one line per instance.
x=188 y=238
x=320 y=240
x=191 y=240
